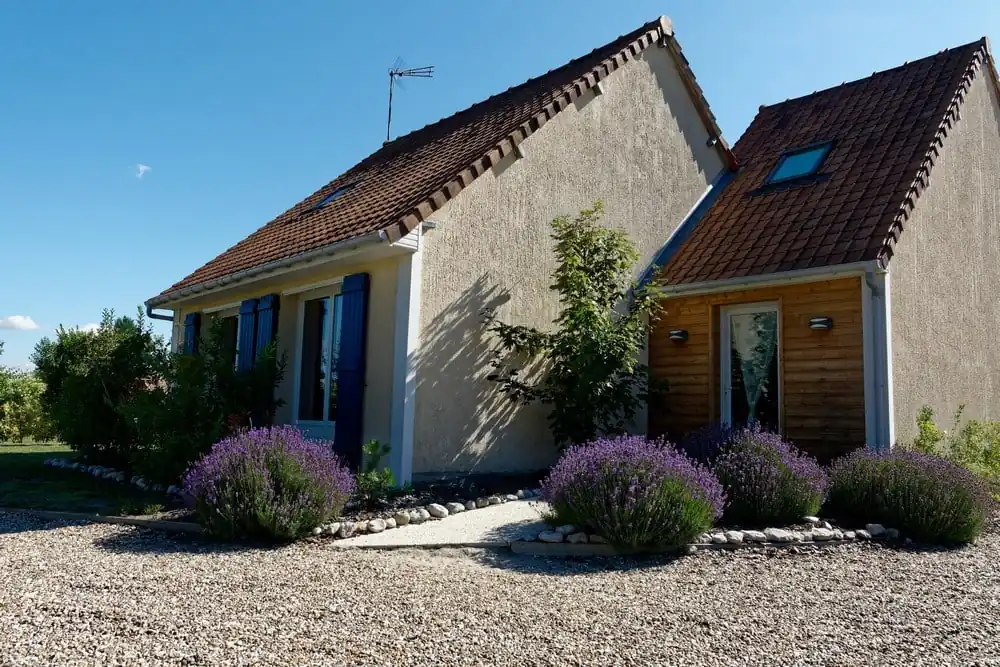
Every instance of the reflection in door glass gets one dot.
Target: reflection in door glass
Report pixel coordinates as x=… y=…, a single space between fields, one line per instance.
x=334 y=356
x=754 y=368
x=315 y=359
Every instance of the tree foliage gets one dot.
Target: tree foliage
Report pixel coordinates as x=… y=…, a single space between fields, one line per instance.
x=21 y=414
x=592 y=381
x=88 y=374
x=200 y=400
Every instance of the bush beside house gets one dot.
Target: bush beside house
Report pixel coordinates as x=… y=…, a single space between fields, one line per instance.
x=118 y=397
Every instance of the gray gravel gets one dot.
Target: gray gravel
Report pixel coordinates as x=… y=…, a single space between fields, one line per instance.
x=105 y=595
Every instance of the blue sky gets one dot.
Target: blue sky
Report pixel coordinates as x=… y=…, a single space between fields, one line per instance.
x=239 y=109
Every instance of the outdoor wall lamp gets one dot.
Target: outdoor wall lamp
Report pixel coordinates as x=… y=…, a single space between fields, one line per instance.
x=821 y=323
x=678 y=334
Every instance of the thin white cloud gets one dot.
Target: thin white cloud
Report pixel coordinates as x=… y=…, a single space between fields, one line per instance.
x=92 y=326
x=20 y=322
x=141 y=169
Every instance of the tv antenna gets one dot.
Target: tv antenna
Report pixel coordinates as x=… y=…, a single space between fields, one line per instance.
x=398 y=71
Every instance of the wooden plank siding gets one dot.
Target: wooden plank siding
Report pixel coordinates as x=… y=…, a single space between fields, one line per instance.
x=821 y=380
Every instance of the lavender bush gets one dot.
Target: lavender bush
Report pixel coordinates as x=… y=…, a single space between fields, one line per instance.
x=633 y=492
x=269 y=483
x=707 y=443
x=768 y=481
x=923 y=495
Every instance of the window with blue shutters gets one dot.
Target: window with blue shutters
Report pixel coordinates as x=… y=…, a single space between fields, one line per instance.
x=246 y=345
x=192 y=330
x=351 y=335
x=267 y=321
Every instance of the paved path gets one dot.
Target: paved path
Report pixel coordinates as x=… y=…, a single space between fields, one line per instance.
x=494 y=525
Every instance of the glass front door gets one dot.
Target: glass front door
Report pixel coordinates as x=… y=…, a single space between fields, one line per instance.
x=319 y=343
x=749 y=364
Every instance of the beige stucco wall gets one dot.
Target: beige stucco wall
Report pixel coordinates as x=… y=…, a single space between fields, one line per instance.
x=945 y=277
x=641 y=148
x=382 y=303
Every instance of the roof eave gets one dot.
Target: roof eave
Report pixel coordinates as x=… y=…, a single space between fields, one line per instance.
x=318 y=255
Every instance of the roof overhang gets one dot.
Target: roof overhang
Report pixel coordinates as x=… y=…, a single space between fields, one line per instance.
x=368 y=247
x=809 y=275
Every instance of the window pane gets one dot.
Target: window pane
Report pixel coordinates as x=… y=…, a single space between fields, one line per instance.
x=315 y=347
x=334 y=356
x=754 y=369
x=799 y=164
x=230 y=329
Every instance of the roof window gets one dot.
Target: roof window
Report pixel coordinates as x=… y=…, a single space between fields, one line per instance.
x=333 y=196
x=799 y=162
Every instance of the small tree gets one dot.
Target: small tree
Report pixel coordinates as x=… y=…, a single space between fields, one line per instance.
x=593 y=380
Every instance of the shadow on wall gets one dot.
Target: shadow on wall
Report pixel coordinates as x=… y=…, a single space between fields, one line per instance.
x=464 y=422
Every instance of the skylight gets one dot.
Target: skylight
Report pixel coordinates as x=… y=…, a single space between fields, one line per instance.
x=798 y=163
x=335 y=195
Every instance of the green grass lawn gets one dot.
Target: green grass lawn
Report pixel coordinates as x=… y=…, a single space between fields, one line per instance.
x=25 y=481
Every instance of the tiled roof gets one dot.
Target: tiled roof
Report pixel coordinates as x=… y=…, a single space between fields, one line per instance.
x=886 y=132
x=405 y=181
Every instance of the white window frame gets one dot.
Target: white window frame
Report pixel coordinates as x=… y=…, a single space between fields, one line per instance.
x=317 y=427
x=726 y=356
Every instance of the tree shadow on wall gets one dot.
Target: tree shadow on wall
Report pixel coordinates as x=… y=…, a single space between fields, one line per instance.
x=461 y=408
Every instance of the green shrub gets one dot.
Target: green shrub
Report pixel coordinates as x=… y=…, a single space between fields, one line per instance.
x=375 y=483
x=924 y=496
x=592 y=379
x=974 y=445
x=22 y=416
x=633 y=492
x=268 y=483
x=200 y=400
x=87 y=375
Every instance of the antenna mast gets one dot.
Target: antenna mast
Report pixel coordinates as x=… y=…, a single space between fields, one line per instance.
x=399 y=72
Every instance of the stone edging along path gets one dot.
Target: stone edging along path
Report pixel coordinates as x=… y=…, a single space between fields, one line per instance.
x=566 y=541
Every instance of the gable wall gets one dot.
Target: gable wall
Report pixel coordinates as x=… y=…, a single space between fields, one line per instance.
x=641 y=148
x=945 y=277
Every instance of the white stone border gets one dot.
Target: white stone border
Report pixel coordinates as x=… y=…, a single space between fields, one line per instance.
x=418 y=515
x=112 y=475
x=820 y=532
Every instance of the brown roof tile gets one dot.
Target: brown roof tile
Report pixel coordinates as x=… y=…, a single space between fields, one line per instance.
x=885 y=130
x=405 y=181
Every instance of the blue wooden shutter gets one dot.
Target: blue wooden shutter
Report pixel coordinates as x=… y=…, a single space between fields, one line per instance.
x=353 y=328
x=192 y=329
x=267 y=321
x=248 y=335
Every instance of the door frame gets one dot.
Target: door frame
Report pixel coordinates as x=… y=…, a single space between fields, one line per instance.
x=726 y=359
x=310 y=426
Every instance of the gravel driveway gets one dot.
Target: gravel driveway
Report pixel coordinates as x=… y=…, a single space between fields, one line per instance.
x=104 y=595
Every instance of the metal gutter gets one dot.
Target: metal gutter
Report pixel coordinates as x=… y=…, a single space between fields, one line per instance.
x=784 y=277
x=261 y=270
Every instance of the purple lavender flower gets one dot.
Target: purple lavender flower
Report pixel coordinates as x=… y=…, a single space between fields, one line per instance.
x=268 y=482
x=633 y=492
x=923 y=495
x=768 y=480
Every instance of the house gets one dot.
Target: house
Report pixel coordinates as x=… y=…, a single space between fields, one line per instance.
x=846 y=273
x=374 y=284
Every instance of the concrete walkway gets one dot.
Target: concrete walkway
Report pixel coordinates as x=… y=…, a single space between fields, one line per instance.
x=496 y=525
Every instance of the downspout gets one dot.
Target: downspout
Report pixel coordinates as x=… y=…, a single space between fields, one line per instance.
x=880 y=360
